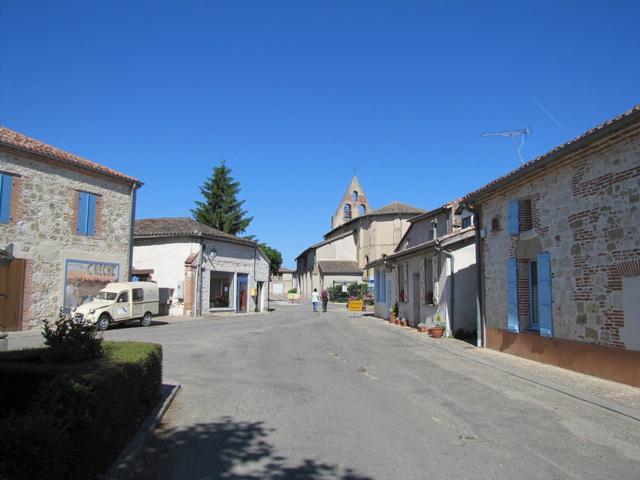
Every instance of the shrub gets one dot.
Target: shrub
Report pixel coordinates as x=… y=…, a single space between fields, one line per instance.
x=293 y=290
x=78 y=417
x=71 y=341
x=358 y=290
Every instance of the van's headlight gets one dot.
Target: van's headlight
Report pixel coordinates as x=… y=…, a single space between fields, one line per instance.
x=92 y=311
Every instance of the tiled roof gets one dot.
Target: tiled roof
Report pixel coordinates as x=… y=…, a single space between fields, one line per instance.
x=181 y=227
x=396 y=207
x=594 y=134
x=339 y=266
x=285 y=270
x=18 y=141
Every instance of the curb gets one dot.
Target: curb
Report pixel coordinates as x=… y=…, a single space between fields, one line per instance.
x=623 y=410
x=123 y=465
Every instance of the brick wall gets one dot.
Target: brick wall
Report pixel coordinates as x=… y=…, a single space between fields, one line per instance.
x=585 y=213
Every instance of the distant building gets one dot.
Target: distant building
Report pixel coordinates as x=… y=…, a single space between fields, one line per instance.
x=65 y=229
x=202 y=270
x=343 y=255
x=281 y=282
x=561 y=254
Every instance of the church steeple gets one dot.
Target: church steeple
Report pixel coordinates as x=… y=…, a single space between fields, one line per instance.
x=354 y=204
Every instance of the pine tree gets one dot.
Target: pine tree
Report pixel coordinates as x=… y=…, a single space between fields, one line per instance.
x=220 y=208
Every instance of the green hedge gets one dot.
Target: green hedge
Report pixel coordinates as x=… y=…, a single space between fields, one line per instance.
x=62 y=422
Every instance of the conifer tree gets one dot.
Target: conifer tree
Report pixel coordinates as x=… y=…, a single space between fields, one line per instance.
x=220 y=208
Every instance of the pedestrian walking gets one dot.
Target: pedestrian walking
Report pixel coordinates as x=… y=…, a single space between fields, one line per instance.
x=315 y=298
x=324 y=296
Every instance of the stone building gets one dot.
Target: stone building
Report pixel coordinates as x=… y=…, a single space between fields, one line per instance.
x=432 y=273
x=202 y=269
x=352 y=243
x=65 y=229
x=560 y=254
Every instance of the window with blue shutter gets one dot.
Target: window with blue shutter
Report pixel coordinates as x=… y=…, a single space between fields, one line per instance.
x=513 y=224
x=512 y=287
x=545 y=311
x=86 y=214
x=6 y=185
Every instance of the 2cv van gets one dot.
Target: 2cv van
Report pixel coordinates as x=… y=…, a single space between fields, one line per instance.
x=121 y=302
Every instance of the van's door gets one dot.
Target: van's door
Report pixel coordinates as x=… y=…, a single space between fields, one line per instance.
x=122 y=308
x=137 y=302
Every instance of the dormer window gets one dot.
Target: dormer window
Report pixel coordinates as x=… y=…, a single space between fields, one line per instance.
x=467 y=221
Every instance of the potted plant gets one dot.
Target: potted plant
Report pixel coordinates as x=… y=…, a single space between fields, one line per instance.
x=403 y=322
x=438 y=329
x=393 y=313
x=422 y=328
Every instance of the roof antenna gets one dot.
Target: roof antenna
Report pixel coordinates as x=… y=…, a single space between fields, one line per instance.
x=525 y=132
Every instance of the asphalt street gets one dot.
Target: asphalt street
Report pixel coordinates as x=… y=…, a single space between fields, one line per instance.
x=300 y=395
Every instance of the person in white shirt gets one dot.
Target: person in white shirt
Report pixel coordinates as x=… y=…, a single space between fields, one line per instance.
x=315 y=298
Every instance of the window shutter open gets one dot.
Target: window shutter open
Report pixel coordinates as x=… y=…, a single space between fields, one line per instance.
x=512 y=283
x=6 y=185
x=83 y=208
x=514 y=217
x=91 y=215
x=544 y=295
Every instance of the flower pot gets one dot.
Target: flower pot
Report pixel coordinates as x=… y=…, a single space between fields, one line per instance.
x=436 y=332
x=404 y=322
x=423 y=329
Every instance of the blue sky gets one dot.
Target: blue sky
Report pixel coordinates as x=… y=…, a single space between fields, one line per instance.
x=296 y=95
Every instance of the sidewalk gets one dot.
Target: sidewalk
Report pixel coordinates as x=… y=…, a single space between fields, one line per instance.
x=613 y=396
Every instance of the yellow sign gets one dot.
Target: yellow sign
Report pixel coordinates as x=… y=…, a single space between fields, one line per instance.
x=355 y=305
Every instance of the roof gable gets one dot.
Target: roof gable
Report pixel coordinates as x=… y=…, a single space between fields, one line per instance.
x=17 y=141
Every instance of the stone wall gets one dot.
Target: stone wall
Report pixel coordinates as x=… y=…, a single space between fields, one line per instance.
x=585 y=214
x=42 y=229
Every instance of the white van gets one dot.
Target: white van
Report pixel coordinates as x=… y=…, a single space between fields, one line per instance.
x=121 y=302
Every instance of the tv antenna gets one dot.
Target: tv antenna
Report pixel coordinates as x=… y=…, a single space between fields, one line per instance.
x=525 y=132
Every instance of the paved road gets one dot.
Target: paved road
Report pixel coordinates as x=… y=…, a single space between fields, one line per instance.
x=297 y=395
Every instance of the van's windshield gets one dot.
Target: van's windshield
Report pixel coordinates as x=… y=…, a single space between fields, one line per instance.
x=106 y=295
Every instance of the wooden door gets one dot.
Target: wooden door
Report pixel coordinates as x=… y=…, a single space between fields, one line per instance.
x=11 y=293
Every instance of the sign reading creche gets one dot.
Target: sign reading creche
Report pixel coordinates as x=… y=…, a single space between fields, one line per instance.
x=83 y=279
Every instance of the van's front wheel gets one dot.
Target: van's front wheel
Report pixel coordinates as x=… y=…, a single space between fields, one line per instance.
x=146 y=320
x=103 y=322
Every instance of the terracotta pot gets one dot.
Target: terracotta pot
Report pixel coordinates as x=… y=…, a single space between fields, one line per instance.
x=423 y=329
x=436 y=332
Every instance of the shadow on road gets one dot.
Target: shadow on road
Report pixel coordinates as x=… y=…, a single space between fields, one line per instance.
x=227 y=450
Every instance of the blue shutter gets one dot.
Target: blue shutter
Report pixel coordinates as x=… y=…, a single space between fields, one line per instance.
x=6 y=184
x=514 y=217
x=512 y=276
x=91 y=215
x=83 y=208
x=545 y=312
x=377 y=286
x=383 y=287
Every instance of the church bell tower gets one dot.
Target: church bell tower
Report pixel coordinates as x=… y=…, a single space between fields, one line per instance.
x=354 y=204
